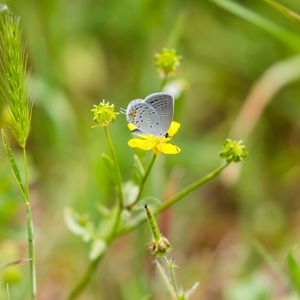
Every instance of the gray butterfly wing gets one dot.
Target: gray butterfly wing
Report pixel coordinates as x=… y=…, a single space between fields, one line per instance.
x=144 y=117
x=163 y=103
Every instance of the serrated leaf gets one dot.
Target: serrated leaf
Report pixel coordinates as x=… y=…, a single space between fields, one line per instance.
x=140 y=171
x=294 y=270
x=13 y=165
x=78 y=224
x=98 y=248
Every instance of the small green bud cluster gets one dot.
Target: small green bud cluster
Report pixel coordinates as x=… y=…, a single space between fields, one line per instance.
x=167 y=62
x=233 y=151
x=161 y=247
x=104 y=113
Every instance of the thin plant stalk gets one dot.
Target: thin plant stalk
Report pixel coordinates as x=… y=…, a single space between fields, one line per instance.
x=163 y=82
x=81 y=285
x=7 y=291
x=29 y=231
x=116 y=166
x=165 y=279
x=142 y=184
x=170 y=267
x=85 y=278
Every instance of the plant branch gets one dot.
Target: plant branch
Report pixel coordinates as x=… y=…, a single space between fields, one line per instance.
x=170 y=267
x=142 y=184
x=184 y=192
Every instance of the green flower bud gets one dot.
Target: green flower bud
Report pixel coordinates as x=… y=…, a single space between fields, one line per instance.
x=160 y=245
x=233 y=151
x=167 y=62
x=104 y=113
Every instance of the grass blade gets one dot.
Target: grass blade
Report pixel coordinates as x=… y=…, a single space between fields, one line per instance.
x=281 y=34
x=284 y=10
x=294 y=270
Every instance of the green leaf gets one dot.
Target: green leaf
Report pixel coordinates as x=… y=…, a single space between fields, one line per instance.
x=140 y=171
x=78 y=224
x=105 y=227
x=98 y=248
x=294 y=270
x=13 y=165
x=130 y=192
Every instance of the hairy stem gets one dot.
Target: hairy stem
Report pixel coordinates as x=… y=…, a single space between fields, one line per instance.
x=170 y=268
x=142 y=184
x=165 y=279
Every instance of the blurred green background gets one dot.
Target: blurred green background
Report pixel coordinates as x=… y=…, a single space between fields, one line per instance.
x=83 y=51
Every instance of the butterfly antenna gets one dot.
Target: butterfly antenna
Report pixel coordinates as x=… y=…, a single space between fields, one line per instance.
x=123 y=111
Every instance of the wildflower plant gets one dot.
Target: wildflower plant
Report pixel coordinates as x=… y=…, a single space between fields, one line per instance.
x=127 y=213
x=15 y=95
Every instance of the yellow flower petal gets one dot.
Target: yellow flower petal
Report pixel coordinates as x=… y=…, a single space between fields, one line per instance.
x=131 y=126
x=168 y=148
x=141 y=144
x=173 y=128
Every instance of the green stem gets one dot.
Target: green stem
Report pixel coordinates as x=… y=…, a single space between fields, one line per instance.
x=165 y=279
x=191 y=188
x=170 y=267
x=142 y=184
x=80 y=286
x=29 y=231
x=164 y=82
x=117 y=168
x=94 y=264
x=85 y=279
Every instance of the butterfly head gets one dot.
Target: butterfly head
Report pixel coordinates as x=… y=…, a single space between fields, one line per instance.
x=131 y=110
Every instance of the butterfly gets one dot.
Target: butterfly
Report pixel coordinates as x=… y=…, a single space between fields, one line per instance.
x=153 y=115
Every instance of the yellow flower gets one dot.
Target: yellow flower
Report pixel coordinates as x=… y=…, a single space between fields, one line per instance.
x=156 y=144
x=104 y=113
